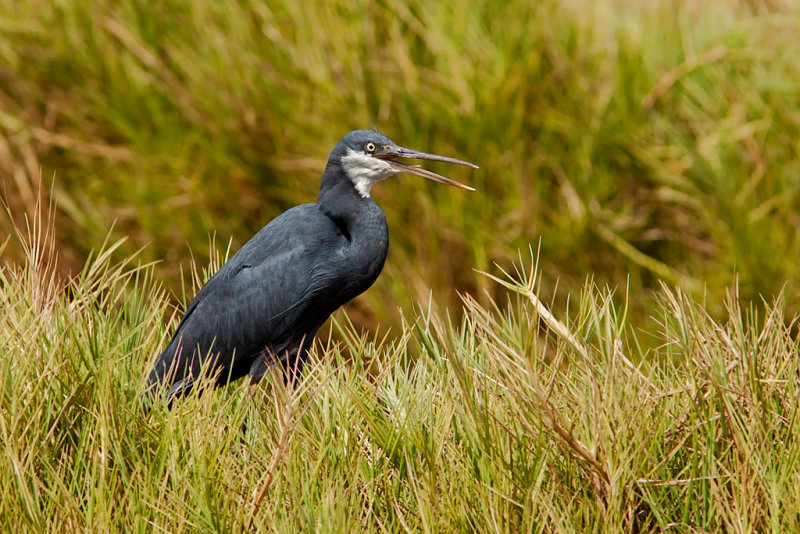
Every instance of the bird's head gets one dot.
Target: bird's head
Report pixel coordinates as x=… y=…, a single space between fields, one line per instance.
x=367 y=157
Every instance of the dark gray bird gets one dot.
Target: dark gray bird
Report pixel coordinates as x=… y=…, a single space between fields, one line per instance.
x=267 y=302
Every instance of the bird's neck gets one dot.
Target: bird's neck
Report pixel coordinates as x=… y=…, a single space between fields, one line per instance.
x=363 y=228
x=338 y=197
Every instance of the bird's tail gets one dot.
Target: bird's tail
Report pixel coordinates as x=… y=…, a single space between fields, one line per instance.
x=155 y=391
x=169 y=379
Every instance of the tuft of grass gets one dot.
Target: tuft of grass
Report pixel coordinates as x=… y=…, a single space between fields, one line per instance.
x=509 y=418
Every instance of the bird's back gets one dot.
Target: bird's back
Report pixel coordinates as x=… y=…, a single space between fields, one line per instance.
x=273 y=294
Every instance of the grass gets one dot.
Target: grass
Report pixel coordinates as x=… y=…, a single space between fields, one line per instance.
x=510 y=419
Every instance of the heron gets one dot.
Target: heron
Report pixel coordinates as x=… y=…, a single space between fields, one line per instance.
x=266 y=303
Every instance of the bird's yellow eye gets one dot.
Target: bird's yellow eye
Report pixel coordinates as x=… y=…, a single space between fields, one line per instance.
x=370 y=147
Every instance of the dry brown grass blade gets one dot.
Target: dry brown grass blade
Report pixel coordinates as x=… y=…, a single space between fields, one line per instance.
x=671 y=77
x=641 y=259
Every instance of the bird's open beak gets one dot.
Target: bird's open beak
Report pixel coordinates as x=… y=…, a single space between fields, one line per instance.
x=391 y=153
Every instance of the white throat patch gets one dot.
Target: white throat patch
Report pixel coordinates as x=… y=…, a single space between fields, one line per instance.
x=365 y=171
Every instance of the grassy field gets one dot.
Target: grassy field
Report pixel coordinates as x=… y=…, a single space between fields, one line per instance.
x=641 y=143
x=508 y=420
x=635 y=371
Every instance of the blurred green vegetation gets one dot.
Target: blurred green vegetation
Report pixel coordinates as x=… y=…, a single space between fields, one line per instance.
x=646 y=142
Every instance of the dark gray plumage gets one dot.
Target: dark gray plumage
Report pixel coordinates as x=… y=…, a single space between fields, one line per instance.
x=267 y=302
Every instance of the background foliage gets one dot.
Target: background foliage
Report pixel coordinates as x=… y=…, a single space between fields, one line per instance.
x=648 y=151
x=641 y=142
